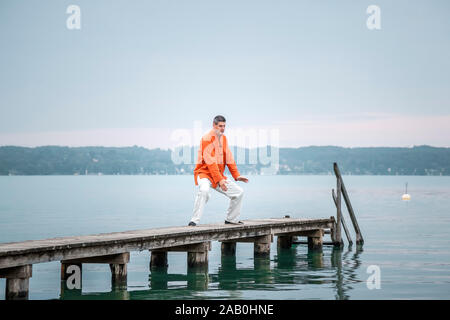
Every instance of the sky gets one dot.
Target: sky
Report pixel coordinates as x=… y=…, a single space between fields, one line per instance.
x=139 y=72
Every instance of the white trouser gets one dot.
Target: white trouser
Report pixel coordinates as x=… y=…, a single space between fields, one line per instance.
x=234 y=192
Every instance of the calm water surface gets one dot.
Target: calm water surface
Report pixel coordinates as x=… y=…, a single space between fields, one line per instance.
x=408 y=241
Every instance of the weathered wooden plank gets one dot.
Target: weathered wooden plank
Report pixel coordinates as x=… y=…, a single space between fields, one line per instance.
x=119 y=258
x=37 y=251
x=305 y=233
x=196 y=247
x=249 y=239
x=107 y=238
x=62 y=243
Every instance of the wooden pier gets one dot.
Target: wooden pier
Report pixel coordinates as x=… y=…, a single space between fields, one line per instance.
x=17 y=258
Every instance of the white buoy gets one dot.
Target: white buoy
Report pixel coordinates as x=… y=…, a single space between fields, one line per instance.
x=406 y=196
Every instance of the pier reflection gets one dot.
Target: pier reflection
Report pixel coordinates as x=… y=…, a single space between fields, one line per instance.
x=345 y=266
x=116 y=293
x=289 y=268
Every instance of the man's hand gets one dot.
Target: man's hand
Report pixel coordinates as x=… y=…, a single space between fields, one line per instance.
x=241 y=178
x=223 y=184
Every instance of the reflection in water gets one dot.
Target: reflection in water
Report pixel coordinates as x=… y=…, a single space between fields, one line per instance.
x=353 y=264
x=231 y=278
x=197 y=279
x=158 y=278
x=347 y=274
x=117 y=293
x=295 y=266
x=290 y=269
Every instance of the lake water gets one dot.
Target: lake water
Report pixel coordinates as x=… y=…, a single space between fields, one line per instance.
x=408 y=241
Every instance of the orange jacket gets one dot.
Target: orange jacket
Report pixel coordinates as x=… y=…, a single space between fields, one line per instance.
x=213 y=155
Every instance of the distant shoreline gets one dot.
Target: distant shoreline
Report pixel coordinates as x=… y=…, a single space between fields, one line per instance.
x=251 y=175
x=313 y=160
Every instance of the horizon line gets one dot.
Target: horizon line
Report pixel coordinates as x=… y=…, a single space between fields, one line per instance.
x=231 y=146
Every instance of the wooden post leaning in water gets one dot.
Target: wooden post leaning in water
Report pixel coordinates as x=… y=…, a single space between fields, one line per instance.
x=344 y=225
x=337 y=232
x=359 y=238
x=17 y=282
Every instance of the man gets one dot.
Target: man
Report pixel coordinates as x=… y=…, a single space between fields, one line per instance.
x=213 y=155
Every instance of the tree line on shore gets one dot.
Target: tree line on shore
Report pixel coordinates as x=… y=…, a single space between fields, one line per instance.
x=61 y=160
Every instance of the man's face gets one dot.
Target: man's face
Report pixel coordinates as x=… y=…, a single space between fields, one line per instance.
x=219 y=128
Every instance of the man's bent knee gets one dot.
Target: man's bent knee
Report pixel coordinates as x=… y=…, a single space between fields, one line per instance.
x=203 y=192
x=240 y=192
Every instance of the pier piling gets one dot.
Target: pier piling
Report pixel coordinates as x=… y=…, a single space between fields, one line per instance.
x=17 y=282
x=284 y=242
x=158 y=260
x=262 y=245
x=198 y=255
x=228 y=248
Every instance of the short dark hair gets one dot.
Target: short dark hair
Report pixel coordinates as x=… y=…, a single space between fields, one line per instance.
x=218 y=119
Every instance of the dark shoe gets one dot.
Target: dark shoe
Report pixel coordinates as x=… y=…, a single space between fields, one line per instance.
x=192 y=224
x=228 y=222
